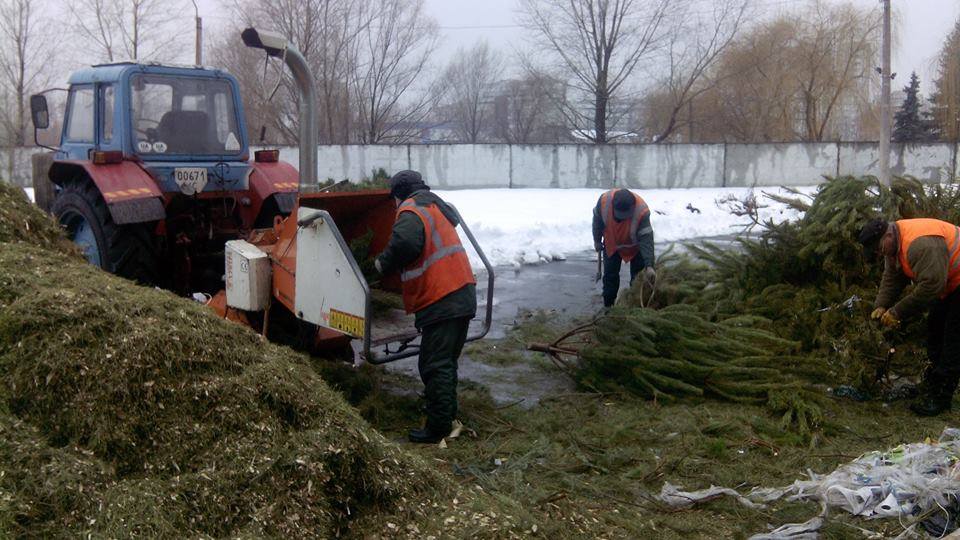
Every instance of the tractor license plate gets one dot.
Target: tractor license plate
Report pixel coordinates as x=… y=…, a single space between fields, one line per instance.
x=191 y=180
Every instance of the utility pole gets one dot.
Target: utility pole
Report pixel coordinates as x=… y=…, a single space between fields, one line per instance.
x=885 y=99
x=198 y=56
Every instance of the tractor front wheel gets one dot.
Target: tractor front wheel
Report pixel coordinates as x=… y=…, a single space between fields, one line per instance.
x=125 y=250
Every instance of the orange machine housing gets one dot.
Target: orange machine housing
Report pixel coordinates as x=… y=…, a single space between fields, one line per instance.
x=355 y=213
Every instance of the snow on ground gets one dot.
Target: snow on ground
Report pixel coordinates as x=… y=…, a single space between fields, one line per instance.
x=29 y=191
x=528 y=226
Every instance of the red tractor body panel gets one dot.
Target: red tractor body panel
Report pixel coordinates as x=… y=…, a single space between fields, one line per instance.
x=130 y=192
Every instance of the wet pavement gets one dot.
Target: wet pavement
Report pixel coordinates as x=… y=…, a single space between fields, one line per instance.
x=566 y=288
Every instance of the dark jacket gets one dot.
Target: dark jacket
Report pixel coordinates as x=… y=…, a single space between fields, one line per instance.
x=646 y=241
x=406 y=244
x=929 y=259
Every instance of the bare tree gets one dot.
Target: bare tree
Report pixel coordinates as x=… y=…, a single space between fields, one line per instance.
x=328 y=33
x=799 y=76
x=24 y=57
x=696 y=44
x=390 y=85
x=128 y=29
x=834 y=54
x=275 y=117
x=524 y=114
x=471 y=79
x=946 y=93
x=595 y=46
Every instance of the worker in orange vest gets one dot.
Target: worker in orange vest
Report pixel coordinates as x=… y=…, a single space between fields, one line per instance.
x=438 y=288
x=622 y=232
x=927 y=252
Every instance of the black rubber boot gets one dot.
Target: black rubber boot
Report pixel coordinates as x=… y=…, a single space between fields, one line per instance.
x=427 y=436
x=929 y=407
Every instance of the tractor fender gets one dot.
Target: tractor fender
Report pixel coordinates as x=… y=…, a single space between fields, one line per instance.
x=130 y=192
x=278 y=179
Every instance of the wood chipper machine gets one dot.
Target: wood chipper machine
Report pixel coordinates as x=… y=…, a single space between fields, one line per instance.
x=154 y=165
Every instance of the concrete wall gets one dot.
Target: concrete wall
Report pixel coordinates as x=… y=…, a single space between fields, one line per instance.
x=670 y=165
x=932 y=163
x=15 y=165
x=779 y=164
x=650 y=166
x=458 y=166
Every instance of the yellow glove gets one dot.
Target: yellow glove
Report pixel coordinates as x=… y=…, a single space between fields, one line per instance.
x=889 y=320
x=877 y=313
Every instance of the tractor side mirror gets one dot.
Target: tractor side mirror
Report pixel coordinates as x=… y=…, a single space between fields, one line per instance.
x=39 y=111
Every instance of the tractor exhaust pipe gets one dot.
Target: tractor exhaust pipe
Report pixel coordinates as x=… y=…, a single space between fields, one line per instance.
x=276 y=45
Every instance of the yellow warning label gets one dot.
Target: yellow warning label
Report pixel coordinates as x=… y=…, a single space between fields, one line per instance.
x=345 y=322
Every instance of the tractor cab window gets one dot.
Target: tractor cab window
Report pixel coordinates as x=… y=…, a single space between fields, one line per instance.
x=106 y=113
x=80 y=123
x=183 y=115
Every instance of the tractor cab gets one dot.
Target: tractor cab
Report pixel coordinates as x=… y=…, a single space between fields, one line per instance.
x=152 y=173
x=183 y=124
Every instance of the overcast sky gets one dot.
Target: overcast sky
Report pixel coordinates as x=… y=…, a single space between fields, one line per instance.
x=922 y=27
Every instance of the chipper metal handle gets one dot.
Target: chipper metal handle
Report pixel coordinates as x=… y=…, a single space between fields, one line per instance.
x=407 y=350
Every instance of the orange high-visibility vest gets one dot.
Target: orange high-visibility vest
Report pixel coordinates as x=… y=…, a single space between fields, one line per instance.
x=623 y=237
x=443 y=266
x=911 y=229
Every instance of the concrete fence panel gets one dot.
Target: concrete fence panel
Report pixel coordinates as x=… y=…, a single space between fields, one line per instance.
x=789 y=164
x=15 y=165
x=582 y=165
x=668 y=166
x=356 y=161
x=538 y=166
x=461 y=166
x=932 y=163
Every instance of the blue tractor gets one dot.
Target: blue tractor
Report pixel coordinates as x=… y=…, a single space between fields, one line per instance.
x=153 y=174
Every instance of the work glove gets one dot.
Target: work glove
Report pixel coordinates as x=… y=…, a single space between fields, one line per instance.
x=598 y=246
x=889 y=320
x=877 y=313
x=649 y=275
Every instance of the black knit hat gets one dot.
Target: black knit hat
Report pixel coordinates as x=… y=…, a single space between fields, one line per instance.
x=623 y=204
x=403 y=183
x=870 y=235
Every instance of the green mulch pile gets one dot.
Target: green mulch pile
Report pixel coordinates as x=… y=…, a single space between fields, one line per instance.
x=776 y=316
x=21 y=221
x=128 y=411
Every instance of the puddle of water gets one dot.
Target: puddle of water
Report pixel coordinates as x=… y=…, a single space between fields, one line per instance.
x=567 y=288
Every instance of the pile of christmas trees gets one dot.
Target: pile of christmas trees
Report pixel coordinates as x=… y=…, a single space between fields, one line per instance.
x=773 y=317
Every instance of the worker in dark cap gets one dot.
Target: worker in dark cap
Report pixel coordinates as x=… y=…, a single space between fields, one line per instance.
x=622 y=232
x=926 y=252
x=438 y=288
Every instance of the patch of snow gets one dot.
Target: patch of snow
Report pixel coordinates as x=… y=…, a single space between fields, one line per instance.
x=529 y=226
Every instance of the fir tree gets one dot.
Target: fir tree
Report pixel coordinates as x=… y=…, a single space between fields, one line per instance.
x=911 y=124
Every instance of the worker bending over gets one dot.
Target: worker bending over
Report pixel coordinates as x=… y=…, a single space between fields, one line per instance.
x=438 y=287
x=622 y=220
x=927 y=252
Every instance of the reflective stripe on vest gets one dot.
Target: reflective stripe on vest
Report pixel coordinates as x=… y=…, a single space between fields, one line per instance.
x=911 y=229
x=440 y=252
x=443 y=266
x=629 y=249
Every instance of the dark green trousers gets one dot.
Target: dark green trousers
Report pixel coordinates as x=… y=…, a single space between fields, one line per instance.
x=943 y=347
x=440 y=347
x=611 y=276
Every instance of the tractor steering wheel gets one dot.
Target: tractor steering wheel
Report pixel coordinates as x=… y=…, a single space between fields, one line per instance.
x=150 y=132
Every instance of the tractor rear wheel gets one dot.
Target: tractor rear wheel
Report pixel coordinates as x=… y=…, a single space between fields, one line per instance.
x=125 y=250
